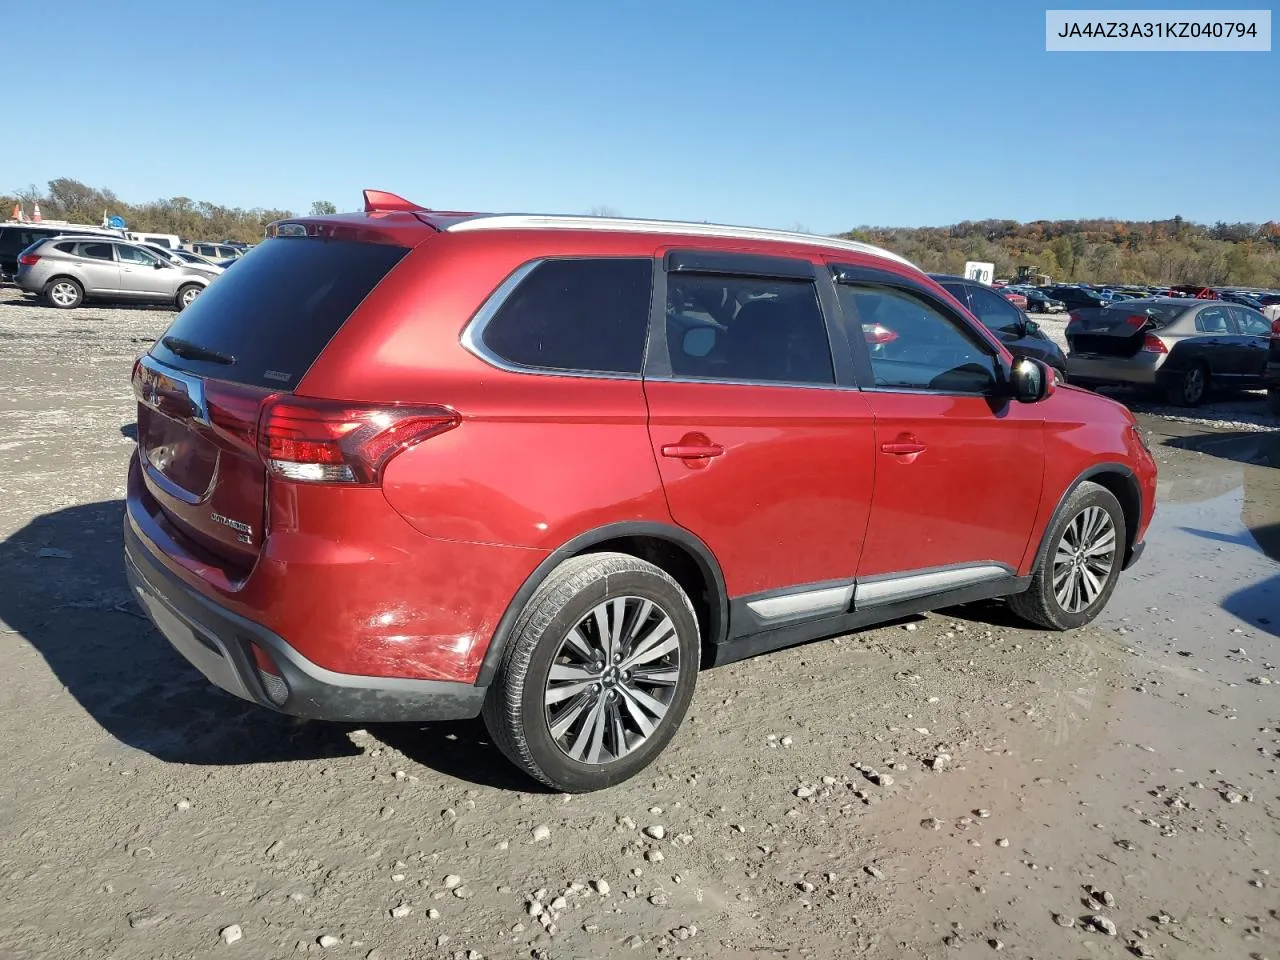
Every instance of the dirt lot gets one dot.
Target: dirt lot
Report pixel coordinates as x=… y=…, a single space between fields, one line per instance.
x=936 y=788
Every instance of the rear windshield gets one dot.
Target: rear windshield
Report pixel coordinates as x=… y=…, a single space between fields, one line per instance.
x=276 y=310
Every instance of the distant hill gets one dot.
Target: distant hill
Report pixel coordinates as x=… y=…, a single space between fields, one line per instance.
x=1097 y=251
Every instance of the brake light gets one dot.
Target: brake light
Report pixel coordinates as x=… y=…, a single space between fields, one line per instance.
x=1275 y=329
x=1137 y=321
x=1073 y=319
x=1153 y=344
x=333 y=441
x=878 y=334
x=29 y=259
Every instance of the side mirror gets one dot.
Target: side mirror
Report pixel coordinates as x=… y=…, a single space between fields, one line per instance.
x=1030 y=381
x=159 y=263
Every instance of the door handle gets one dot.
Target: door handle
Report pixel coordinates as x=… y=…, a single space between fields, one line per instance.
x=903 y=447
x=692 y=451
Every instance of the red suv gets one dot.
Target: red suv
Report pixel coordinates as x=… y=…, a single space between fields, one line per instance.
x=412 y=465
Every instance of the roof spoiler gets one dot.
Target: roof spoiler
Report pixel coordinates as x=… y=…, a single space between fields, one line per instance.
x=380 y=201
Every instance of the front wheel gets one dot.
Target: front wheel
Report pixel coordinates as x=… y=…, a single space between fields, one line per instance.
x=597 y=675
x=1078 y=571
x=187 y=295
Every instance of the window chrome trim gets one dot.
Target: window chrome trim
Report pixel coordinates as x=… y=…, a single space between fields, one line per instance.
x=895 y=587
x=472 y=337
x=803 y=603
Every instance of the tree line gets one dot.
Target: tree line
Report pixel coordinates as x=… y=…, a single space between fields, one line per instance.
x=1173 y=251
x=67 y=199
x=1097 y=251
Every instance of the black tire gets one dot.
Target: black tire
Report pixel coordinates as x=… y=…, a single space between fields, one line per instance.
x=1273 y=401
x=1192 y=388
x=516 y=711
x=63 y=293
x=1040 y=604
x=187 y=294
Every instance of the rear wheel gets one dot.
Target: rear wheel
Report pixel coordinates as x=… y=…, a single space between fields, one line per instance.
x=597 y=675
x=1079 y=569
x=64 y=293
x=187 y=295
x=1191 y=388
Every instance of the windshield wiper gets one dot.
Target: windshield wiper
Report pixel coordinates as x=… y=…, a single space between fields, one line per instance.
x=193 y=351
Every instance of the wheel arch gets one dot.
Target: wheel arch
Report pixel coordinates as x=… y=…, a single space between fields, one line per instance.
x=675 y=550
x=1121 y=481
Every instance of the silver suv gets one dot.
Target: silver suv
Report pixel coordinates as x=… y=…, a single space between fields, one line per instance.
x=66 y=270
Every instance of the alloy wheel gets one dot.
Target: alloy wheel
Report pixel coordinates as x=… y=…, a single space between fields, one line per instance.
x=63 y=294
x=1084 y=559
x=612 y=680
x=1193 y=385
x=189 y=295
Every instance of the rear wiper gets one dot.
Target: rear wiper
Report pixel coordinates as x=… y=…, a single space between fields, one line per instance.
x=193 y=351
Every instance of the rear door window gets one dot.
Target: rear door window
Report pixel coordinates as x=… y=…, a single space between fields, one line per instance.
x=96 y=251
x=1213 y=321
x=274 y=313
x=746 y=329
x=587 y=315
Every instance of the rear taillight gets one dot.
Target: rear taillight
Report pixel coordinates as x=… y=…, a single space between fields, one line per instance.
x=1275 y=329
x=1073 y=319
x=877 y=334
x=29 y=259
x=332 y=441
x=1153 y=344
x=1137 y=321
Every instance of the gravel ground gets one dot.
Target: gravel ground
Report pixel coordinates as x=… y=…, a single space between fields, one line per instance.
x=938 y=787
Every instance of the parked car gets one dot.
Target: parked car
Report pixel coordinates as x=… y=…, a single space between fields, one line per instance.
x=1015 y=298
x=16 y=237
x=216 y=251
x=1271 y=379
x=67 y=270
x=194 y=259
x=1076 y=298
x=418 y=466
x=1018 y=332
x=1040 y=302
x=1180 y=347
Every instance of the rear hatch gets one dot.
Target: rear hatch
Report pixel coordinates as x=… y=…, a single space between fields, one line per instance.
x=251 y=335
x=1118 y=329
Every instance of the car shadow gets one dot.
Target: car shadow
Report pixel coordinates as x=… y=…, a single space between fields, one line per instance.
x=28 y=302
x=66 y=595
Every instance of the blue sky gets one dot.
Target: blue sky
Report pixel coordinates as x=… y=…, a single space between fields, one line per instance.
x=818 y=114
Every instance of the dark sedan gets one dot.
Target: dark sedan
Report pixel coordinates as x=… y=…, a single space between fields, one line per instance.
x=1017 y=331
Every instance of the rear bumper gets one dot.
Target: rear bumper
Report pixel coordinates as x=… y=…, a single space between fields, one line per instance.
x=217 y=641
x=1141 y=370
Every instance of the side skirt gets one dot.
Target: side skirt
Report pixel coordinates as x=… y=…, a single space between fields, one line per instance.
x=775 y=638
